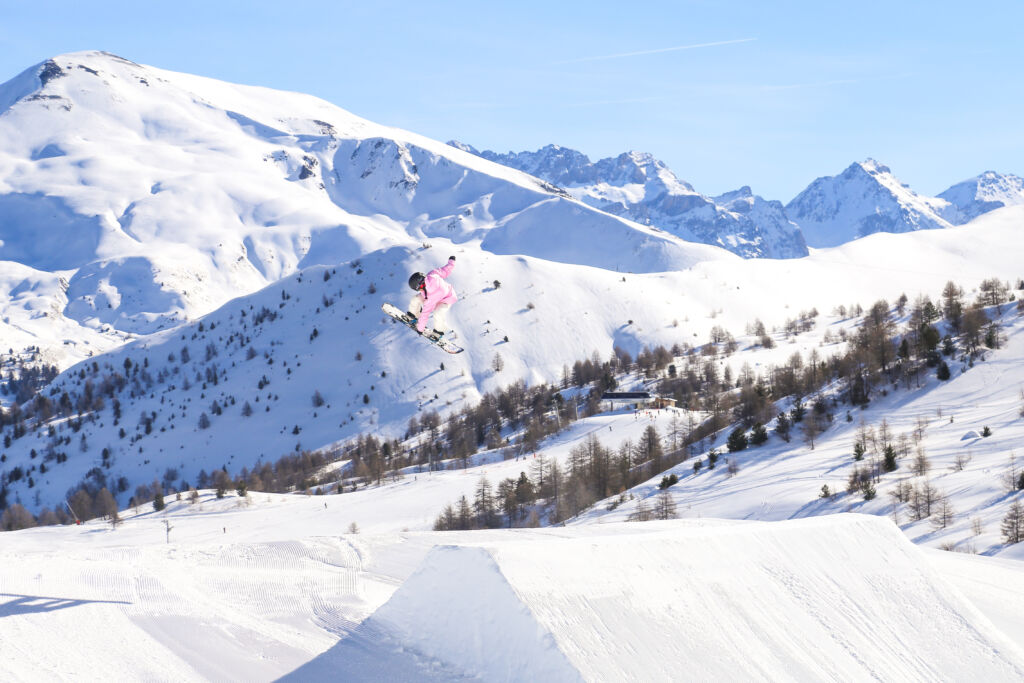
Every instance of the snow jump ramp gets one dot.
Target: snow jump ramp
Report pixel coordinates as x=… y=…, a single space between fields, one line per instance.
x=842 y=598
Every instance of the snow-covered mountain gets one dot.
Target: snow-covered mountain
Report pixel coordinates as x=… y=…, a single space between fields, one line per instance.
x=286 y=221
x=133 y=198
x=637 y=186
x=283 y=222
x=984 y=193
x=864 y=199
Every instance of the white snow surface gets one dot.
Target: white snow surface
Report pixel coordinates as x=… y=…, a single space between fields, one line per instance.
x=983 y=193
x=751 y=601
x=159 y=196
x=273 y=588
x=638 y=186
x=864 y=199
x=761 y=579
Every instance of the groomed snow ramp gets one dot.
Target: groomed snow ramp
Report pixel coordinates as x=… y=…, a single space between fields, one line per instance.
x=839 y=598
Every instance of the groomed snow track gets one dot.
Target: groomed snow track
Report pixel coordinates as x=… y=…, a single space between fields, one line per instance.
x=839 y=598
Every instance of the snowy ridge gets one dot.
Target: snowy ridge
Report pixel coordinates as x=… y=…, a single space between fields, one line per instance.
x=637 y=186
x=984 y=193
x=864 y=199
x=160 y=196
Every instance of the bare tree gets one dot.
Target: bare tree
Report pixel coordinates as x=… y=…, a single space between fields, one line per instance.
x=921 y=464
x=923 y=500
x=664 y=505
x=977 y=526
x=675 y=430
x=642 y=512
x=813 y=425
x=944 y=512
x=953 y=304
x=104 y=505
x=16 y=517
x=894 y=495
x=992 y=292
x=1012 y=475
x=960 y=461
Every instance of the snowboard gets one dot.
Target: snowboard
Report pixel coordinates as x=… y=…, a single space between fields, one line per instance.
x=399 y=316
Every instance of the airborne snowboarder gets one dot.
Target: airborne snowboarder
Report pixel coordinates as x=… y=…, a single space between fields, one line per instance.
x=433 y=295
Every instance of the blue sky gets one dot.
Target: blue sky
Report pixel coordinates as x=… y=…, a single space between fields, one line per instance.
x=766 y=94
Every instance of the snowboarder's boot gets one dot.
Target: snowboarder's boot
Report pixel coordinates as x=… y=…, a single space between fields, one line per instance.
x=435 y=335
x=409 y=317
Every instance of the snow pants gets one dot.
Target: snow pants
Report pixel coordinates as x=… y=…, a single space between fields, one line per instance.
x=440 y=313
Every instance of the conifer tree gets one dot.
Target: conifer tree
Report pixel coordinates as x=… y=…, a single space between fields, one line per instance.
x=483 y=504
x=758 y=435
x=463 y=514
x=737 y=440
x=1013 y=523
x=782 y=427
x=525 y=494
x=889 y=458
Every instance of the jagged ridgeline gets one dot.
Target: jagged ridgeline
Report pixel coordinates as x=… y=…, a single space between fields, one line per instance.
x=866 y=198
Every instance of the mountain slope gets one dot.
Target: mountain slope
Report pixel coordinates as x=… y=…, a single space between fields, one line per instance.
x=160 y=196
x=321 y=330
x=639 y=187
x=864 y=199
x=984 y=193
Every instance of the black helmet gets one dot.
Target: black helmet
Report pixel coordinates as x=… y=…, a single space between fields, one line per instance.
x=416 y=281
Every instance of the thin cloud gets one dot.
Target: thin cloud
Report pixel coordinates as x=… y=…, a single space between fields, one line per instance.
x=584 y=103
x=597 y=103
x=821 y=84
x=826 y=84
x=660 y=50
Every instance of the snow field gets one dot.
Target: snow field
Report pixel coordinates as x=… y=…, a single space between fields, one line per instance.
x=211 y=612
x=274 y=588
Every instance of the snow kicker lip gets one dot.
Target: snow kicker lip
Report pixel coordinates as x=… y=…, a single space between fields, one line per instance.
x=789 y=600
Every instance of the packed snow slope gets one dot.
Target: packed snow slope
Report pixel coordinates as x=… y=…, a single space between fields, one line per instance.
x=132 y=198
x=842 y=598
x=274 y=588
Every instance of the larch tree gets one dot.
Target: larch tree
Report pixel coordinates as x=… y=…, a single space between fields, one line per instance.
x=944 y=512
x=664 y=505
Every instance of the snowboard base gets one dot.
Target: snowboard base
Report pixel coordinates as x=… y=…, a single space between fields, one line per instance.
x=398 y=315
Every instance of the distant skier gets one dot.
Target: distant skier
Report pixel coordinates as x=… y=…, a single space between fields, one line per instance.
x=433 y=295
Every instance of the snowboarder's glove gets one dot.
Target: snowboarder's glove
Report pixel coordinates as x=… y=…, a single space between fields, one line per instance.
x=451 y=258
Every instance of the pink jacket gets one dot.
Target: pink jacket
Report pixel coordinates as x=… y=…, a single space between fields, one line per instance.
x=436 y=292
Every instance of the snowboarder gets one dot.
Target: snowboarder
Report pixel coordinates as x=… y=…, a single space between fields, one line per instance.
x=433 y=295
